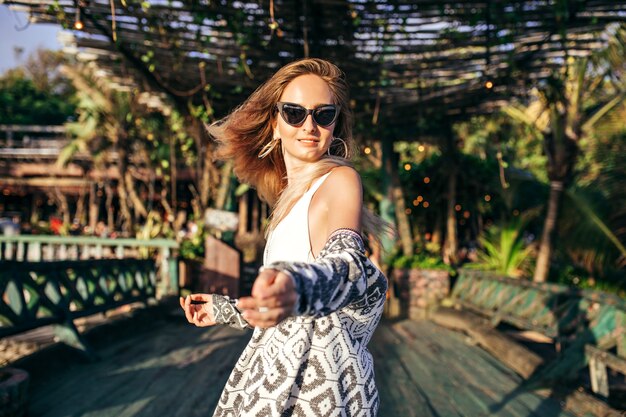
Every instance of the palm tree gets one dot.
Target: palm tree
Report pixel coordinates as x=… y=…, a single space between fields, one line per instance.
x=563 y=113
x=108 y=129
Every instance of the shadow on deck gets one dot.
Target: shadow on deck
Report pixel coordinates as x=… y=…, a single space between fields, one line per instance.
x=155 y=364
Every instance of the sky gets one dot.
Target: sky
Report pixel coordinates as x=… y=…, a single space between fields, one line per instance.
x=29 y=39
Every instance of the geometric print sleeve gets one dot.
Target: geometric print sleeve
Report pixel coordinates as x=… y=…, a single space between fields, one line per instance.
x=339 y=276
x=226 y=312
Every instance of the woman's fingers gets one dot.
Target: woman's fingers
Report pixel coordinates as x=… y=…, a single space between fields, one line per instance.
x=200 y=313
x=265 y=318
x=247 y=303
x=262 y=287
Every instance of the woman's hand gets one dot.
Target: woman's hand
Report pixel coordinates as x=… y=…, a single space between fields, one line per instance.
x=273 y=299
x=200 y=314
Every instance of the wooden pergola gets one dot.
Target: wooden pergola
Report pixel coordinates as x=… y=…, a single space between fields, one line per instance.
x=405 y=60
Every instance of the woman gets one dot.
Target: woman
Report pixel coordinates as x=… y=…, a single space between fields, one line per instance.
x=317 y=299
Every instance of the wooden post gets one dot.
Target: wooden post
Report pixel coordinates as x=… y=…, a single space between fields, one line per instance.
x=598 y=376
x=34 y=252
x=94 y=207
x=8 y=251
x=20 y=252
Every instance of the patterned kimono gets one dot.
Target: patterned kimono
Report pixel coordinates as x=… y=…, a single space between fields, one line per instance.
x=316 y=362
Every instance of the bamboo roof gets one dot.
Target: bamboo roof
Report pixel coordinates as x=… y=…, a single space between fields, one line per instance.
x=406 y=61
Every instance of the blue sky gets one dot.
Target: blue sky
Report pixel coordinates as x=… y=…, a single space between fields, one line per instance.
x=30 y=38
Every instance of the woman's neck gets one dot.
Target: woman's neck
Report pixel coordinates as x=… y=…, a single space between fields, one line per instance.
x=295 y=169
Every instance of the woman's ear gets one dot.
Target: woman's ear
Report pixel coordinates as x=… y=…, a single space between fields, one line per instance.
x=276 y=134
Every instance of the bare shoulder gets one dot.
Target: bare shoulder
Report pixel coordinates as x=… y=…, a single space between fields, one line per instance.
x=344 y=176
x=337 y=204
x=342 y=191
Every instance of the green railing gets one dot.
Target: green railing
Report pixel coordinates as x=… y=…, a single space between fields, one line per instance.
x=35 y=294
x=38 y=248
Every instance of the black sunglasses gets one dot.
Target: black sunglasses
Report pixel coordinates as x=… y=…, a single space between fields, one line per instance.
x=295 y=114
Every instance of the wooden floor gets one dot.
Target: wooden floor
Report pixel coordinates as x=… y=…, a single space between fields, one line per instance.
x=158 y=365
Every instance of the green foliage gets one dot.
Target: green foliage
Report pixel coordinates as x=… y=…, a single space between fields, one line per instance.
x=424 y=257
x=576 y=277
x=426 y=183
x=515 y=146
x=503 y=249
x=420 y=260
x=22 y=102
x=192 y=247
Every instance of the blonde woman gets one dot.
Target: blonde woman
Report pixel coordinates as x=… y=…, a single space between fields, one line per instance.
x=317 y=299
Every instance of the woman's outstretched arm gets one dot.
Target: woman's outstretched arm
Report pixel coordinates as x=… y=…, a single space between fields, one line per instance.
x=342 y=275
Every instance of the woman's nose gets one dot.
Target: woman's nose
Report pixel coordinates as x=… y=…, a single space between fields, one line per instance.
x=309 y=124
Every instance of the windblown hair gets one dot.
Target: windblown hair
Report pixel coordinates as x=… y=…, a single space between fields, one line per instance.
x=248 y=130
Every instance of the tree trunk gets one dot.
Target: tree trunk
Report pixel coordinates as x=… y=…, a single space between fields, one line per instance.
x=63 y=206
x=404 y=226
x=225 y=185
x=35 y=210
x=437 y=236
x=451 y=243
x=79 y=214
x=127 y=225
x=109 y=206
x=138 y=206
x=173 y=174
x=94 y=207
x=545 y=249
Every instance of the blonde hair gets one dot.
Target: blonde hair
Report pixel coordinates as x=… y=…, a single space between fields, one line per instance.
x=248 y=130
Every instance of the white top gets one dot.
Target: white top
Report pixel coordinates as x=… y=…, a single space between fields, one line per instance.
x=290 y=240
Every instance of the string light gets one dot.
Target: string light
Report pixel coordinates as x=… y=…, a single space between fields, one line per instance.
x=457 y=207
x=489 y=84
x=78 y=23
x=426 y=180
x=421 y=148
x=487 y=198
x=426 y=204
x=367 y=150
x=407 y=167
x=408 y=211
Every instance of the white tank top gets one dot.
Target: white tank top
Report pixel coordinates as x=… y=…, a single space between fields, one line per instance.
x=290 y=241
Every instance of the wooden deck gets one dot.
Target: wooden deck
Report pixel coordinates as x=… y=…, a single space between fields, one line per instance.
x=155 y=364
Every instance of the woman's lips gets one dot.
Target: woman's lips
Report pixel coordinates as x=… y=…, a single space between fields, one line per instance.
x=309 y=141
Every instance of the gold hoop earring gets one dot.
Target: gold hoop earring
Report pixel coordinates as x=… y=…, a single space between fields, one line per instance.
x=268 y=148
x=345 y=148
